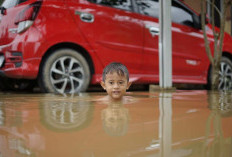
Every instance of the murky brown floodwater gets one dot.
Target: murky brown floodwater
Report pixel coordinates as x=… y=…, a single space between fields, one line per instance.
x=178 y=124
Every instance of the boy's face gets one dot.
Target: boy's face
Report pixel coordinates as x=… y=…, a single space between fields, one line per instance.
x=115 y=85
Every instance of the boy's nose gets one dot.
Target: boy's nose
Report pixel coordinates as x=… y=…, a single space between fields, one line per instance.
x=116 y=85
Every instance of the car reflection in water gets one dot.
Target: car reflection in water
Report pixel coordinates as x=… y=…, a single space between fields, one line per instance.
x=61 y=115
x=181 y=123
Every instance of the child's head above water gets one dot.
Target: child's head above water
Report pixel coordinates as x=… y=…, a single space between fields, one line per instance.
x=119 y=68
x=115 y=80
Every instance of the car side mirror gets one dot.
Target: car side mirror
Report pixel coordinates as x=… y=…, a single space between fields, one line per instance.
x=197 y=21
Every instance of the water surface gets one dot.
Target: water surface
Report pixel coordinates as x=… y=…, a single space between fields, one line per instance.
x=158 y=124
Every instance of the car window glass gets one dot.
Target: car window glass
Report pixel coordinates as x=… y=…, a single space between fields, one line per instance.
x=120 y=4
x=181 y=15
x=178 y=13
x=9 y=3
x=148 y=7
x=21 y=1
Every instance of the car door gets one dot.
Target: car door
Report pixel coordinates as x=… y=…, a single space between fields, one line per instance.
x=188 y=52
x=112 y=29
x=190 y=61
x=149 y=10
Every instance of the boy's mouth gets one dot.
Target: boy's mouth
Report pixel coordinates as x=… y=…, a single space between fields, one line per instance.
x=116 y=92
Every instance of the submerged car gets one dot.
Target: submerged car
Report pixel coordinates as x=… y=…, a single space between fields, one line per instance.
x=65 y=45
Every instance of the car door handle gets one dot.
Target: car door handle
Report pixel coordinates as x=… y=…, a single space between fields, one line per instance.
x=85 y=17
x=153 y=30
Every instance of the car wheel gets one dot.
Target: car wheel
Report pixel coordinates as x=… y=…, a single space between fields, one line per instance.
x=64 y=71
x=225 y=74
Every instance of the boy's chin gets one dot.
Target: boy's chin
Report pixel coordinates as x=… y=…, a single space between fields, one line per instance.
x=116 y=98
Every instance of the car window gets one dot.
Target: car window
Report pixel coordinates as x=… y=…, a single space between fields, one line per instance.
x=148 y=7
x=21 y=1
x=11 y=3
x=120 y=4
x=179 y=14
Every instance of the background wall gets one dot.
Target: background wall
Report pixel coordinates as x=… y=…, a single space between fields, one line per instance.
x=196 y=4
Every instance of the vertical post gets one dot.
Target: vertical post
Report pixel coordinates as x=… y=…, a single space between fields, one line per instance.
x=165 y=45
x=165 y=124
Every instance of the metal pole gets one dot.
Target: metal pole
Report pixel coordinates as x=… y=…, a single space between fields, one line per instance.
x=165 y=124
x=165 y=45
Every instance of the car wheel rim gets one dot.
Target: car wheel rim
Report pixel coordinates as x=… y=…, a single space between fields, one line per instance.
x=225 y=79
x=67 y=75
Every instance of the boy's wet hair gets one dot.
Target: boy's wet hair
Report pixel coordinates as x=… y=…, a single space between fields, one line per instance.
x=115 y=67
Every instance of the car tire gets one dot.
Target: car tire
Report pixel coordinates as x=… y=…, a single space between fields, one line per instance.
x=225 y=78
x=64 y=71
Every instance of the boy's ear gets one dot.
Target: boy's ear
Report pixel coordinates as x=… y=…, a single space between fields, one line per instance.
x=103 y=85
x=128 y=85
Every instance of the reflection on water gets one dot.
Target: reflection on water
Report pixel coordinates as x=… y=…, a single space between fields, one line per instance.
x=221 y=102
x=181 y=123
x=61 y=115
x=115 y=119
x=19 y=146
x=220 y=106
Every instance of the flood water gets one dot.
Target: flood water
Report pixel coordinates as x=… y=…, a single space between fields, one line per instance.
x=157 y=124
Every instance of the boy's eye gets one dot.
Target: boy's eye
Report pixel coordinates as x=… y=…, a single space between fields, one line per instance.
x=121 y=82
x=111 y=82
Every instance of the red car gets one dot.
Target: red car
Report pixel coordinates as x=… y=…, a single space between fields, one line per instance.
x=66 y=44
